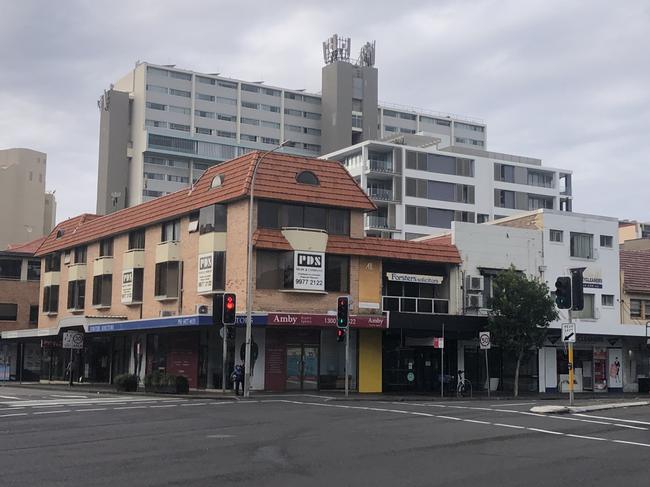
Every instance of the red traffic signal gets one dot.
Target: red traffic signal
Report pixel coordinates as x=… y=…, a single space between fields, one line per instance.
x=342 y=310
x=229 y=308
x=340 y=335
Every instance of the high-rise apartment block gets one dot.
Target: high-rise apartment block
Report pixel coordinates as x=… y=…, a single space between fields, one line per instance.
x=26 y=210
x=161 y=126
x=420 y=186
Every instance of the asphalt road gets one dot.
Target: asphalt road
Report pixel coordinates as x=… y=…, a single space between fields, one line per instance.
x=52 y=438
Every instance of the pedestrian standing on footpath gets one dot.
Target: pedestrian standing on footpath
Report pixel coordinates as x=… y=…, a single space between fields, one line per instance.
x=238 y=378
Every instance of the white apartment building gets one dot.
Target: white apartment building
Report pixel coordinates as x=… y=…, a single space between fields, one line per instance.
x=162 y=126
x=421 y=184
x=27 y=211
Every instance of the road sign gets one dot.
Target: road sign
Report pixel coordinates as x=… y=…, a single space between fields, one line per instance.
x=484 y=340
x=569 y=332
x=73 y=339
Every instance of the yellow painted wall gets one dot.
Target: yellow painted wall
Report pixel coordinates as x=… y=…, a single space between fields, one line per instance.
x=370 y=281
x=370 y=361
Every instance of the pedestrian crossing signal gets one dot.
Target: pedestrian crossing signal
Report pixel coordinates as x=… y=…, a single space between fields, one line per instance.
x=229 y=308
x=340 y=335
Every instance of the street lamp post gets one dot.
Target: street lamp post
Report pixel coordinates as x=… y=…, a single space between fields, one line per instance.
x=249 y=273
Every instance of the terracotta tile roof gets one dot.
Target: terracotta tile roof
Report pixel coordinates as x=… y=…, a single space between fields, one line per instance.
x=276 y=179
x=369 y=246
x=26 y=248
x=635 y=265
x=441 y=239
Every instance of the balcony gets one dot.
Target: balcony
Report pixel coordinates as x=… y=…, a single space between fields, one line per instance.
x=381 y=167
x=404 y=304
x=77 y=272
x=383 y=194
x=133 y=259
x=103 y=265
x=168 y=251
x=51 y=278
x=379 y=222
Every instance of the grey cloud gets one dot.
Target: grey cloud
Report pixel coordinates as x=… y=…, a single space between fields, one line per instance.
x=566 y=81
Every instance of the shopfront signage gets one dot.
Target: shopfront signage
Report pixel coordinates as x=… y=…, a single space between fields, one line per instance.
x=416 y=278
x=73 y=339
x=127 y=286
x=309 y=270
x=205 y=270
x=435 y=342
x=303 y=319
x=592 y=279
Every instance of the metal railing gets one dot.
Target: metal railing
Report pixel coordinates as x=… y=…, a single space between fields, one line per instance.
x=405 y=304
x=373 y=221
x=380 y=166
x=384 y=194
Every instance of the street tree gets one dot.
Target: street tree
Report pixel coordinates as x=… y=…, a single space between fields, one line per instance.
x=522 y=309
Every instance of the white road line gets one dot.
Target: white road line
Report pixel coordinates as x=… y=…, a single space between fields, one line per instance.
x=52 y=412
x=93 y=409
x=448 y=417
x=476 y=421
x=164 y=406
x=631 y=443
x=194 y=404
x=15 y=414
x=68 y=396
x=513 y=426
x=633 y=421
x=586 y=437
x=512 y=404
x=546 y=431
x=9 y=397
x=132 y=407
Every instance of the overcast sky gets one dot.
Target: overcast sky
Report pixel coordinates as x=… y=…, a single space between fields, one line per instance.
x=564 y=81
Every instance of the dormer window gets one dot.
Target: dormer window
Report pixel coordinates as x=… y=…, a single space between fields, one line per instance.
x=307 y=177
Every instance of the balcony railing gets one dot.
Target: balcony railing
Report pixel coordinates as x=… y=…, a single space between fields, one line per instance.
x=404 y=304
x=378 y=222
x=380 y=166
x=381 y=193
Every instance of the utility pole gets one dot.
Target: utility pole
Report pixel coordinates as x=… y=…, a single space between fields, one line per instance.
x=347 y=362
x=570 y=364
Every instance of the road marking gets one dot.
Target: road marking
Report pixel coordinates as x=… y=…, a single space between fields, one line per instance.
x=194 y=404
x=68 y=396
x=52 y=412
x=15 y=414
x=164 y=406
x=132 y=407
x=10 y=397
x=93 y=409
x=546 y=431
x=512 y=404
x=219 y=436
x=633 y=421
x=586 y=437
x=513 y=426
x=448 y=417
x=631 y=443
x=476 y=421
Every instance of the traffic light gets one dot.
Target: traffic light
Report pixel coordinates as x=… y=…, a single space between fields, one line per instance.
x=229 y=308
x=217 y=309
x=577 y=292
x=342 y=310
x=340 y=335
x=563 y=292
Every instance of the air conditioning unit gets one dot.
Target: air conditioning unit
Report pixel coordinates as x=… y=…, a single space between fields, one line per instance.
x=474 y=301
x=165 y=313
x=474 y=283
x=203 y=309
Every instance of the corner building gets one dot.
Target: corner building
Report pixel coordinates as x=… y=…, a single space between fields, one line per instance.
x=139 y=282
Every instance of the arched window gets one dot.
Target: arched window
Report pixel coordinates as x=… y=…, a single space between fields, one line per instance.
x=307 y=177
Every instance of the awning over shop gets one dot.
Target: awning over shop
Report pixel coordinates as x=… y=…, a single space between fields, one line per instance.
x=462 y=325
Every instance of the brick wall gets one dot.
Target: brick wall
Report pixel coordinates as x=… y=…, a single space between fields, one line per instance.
x=22 y=293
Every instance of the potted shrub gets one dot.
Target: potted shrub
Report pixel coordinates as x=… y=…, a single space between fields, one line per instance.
x=126 y=382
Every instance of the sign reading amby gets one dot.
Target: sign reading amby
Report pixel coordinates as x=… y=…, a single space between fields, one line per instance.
x=205 y=272
x=73 y=339
x=309 y=270
x=127 y=286
x=417 y=278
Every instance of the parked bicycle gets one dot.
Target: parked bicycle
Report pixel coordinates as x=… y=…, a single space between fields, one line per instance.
x=464 y=386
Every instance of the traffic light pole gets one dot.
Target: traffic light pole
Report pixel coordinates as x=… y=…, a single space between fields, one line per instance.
x=347 y=360
x=224 y=357
x=571 y=373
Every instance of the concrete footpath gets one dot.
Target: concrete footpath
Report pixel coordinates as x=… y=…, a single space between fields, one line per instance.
x=551 y=404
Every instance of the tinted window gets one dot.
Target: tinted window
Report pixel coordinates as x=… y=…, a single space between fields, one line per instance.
x=213 y=218
x=136 y=239
x=10 y=268
x=337 y=273
x=33 y=270
x=315 y=217
x=8 y=312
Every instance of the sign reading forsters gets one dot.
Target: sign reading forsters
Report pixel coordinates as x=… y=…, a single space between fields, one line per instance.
x=416 y=278
x=309 y=270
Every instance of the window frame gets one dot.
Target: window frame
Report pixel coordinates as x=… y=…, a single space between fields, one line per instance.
x=163 y=280
x=175 y=226
x=106 y=247
x=51 y=299
x=608 y=241
x=573 y=251
x=76 y=295
x=102 y=291
x=552 y=232
x=11 y=312
x=135 y=236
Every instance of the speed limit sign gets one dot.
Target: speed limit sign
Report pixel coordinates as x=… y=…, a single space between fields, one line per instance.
x=484 y=340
